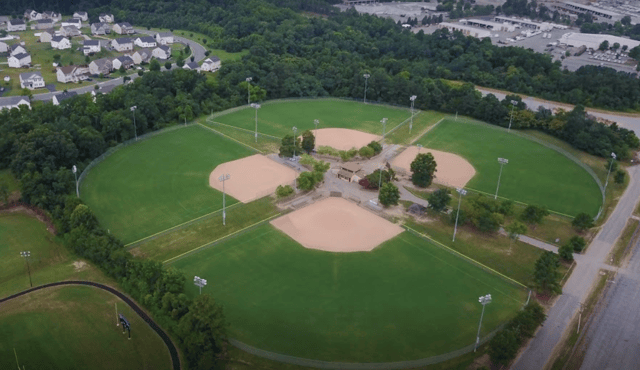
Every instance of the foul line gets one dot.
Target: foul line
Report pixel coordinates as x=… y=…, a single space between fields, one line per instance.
x=467 y=257
x=242 y=129
x=230 y=138
x=515 y=201
x=221 y=238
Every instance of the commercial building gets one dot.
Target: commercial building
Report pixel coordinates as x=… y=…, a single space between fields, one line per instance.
x=599 y=15
x=593 y=41
x=493 y=26
x=466 y=30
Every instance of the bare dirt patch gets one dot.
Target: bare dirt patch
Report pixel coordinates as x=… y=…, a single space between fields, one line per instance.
x=252 y=177
x=337 y=225
x=79 y=265
x=452 y=170
x=342 y=138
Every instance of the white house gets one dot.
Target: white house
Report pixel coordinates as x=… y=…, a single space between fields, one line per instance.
x=211 y=64
x=31 y=80
x=42 y=24
x=146 y=42
x=122 y=28
x=192 y=66
x=59 y=98
x=162 y=52
x=83 y=16
x=164 y=38
x=14 y=102
x=69 y=31
x=19 y=60
x=122 y=44
x=32 y=15
x=17 y=49
x=100 y=66
x=60 y=43
x=72 y=74
x=141 y=56
x=120 y=61
x=100 y=28
x=51 y=15
x=47 y=35
x=16 y=25
x=76 y=22
x=91 y=46
x=3 y=47
x=106 y=18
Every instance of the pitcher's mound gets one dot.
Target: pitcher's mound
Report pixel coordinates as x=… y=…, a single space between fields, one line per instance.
x=336 y=225
x=451 y=169
x=252 y=177
x=342 y=138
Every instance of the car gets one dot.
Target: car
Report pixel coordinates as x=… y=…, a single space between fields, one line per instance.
x=89 y=79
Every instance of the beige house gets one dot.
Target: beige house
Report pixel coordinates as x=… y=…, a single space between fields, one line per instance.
x=162 y=52
x=83 y=16
x=122 y=44
x=141 y=56
x=42 y=24
x=47 y=35
x=123 y=28
x=69 y=31
x=60 y=43
x=100 y=66
x=106 y=18
x=72 y=74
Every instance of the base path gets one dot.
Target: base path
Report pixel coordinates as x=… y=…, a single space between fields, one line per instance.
x=342 y=138
x=452 y=169
x=173 y=351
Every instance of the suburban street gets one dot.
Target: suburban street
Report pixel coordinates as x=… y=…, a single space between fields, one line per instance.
x=582 y=279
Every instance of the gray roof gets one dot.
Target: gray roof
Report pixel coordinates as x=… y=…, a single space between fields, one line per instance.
x=164 y=34
x=21 y=56
x=99 y=24
x=66 y=95
x=50 y=31
x=124 y=24
x=29 y=75
x=101 y=62
x=70 y=28
x=81 y=13
x=57 y=38
x=125 y=58
x=12 y=100
x=147 y=39
x=193 y=65
x=43 y=21
x=91 y=42
x=214 y=59
x=74 y=20
x=16 y=21
x=15 y=46
x=124 y=40
x=165 y=48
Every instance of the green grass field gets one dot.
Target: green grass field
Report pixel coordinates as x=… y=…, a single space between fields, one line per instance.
x=7 y=178
x=74 y=328
x=159 y=183
x=535 y=174
x=407 y=299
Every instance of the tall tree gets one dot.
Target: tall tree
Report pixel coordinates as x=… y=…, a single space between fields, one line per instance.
x=423 y=169
x=546 y=274
x=308 y=141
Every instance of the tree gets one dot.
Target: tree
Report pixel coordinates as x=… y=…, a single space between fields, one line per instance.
x=582 y=222
x=288 y=146
x=167 y=66
x=635 y=53
x=140 y=73
x=284 y=191
x=121 y=69
x=566 y=252
x=626 y=20
x=4 y=192
x=577 y=243
x=154 y=65
x=308 y=141
x=504 y=346
x=366 y=152
x=439 y=199
x=389 y=195
x=534 y=214
x=616 y=46
x=619 y=177
x=306 y=181
x=377 y=148
x=514 y=230
x=423 y=169
x=546 y=274
x=380 y=177
x=87 y=59
x=180 y=63
x=604 y=45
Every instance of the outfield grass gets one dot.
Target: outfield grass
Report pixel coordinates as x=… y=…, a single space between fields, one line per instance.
x=74 y=328
x=406 y=299
x=159 y=183
x=535 y=174
x=423 y=121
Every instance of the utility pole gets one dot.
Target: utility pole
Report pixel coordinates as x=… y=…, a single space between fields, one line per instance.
x=295 y=141
x=249 y=79
x=461 y=192
x=613 y=158
x=413 y=99
x=513 y=105
x=256 y=106
x=384 y=126
x=222 y=179
x=135 y=129
x=484 y=300
x=502 y=161
x=366 y=78
x=26 y=255
x=74 y=169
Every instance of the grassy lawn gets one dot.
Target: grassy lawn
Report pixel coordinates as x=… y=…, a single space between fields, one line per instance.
x=423 y=121
x=159 y=183
x=364 y=307
x=206 y=41
x=278 y=118
x=49 y=261
x=620 y=251
x=535 y=174
x=265 y=144
x=74 y=328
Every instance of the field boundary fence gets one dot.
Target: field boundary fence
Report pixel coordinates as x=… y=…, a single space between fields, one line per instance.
x=400 y=125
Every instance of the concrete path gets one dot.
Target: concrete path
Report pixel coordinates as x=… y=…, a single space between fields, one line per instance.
x=579 y=284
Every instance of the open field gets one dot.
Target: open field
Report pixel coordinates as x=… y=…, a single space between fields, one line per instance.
x=159 y=183
x=362 y=306
x=535 y=174
x=74 y=328
x=422 y=121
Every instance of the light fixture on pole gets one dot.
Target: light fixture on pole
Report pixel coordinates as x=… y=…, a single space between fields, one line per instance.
x=315 y=122
x=74 y=169
x=513 y=105
x=222 y=179
x=249 y=79
x=295 y=141
x=26 y=255
x=613 y=158
x=502 y=161
x=462 y=192
x=256 y=106
x=135 y=129
x=413 y=99
x=380 y=180
x=366 y=78
x=484 y=300
x=384 y=126
x=199 y=282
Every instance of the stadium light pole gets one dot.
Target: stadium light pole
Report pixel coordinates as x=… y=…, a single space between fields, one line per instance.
x=366 y=78
x=380 y=180
x=256 y=106
x=513 y=105
x=26 y=255
x=484 y=300
x=133 y=112
x=413 y=99
x=613 y=158
x=315 y=122
x=249 y=79
x=461 y=192
x=199 y=282
x=222 y=179
x=384 y=126
x=502 y=161
x=75 y=173
x=295 y=140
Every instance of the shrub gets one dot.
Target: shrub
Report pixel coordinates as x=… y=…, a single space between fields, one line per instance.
x=439 y=199
x=366 y=152
x=582 y=222
x=327 y=150
x=284 y=191
x=619 y=177
x=389 y=195
x=566 y=252
x=377 y=148
x=577 y=243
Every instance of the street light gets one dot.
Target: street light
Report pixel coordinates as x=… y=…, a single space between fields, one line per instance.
x=502 y=161
x=26 y=255
x=380 y=180
x=74 y=169
x=256 y=106
x=384 y=125
x=613 y=158
x=315 y=122
x=199 y=282
x=461 y=192
x=135 y=129
x=366 y=78
x=413 y=99
x=249 y=79
x=224 y=178
x=513 y=105
x=295 y=140
x=484 y=300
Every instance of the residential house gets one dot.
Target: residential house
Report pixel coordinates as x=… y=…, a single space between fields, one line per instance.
x=192 y=66
x=31 y=80
x=123 y=28
x=51 y=15
x=14 y=102
x=47 y=35
x=91 y=46
x=100 y=66
x=60 y=43
x=19 y=60
x=164 y=38
x=17 y=49
x=3 y=47
x=211 y=64
x=76 y=22
x=32 y=15
x=16 y=25
x=70 y=31
x=72 y=74
x=83 y=16
x=141 y=56
x=100 y=28
x=162 y=52
x=122 y=44
x=121 y=61
x=42 y=24
x=106 y=18
x=146 y=42
x=59 y=98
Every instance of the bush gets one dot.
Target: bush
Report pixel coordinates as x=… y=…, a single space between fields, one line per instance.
x=346 y=155
x=327 y=150
x=167 y=65
x=577 y=243
x=366 y=152
x=389 y=195
x=582 y=222
x=619 y=177
x=566 y=252
x=284 y=191
x=439 y=199
x=377 y=148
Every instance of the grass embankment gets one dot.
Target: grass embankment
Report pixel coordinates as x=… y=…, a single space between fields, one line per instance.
x=621 y=249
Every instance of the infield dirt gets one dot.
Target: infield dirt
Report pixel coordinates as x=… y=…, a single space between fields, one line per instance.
x=342 y=138
x=451 y=170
